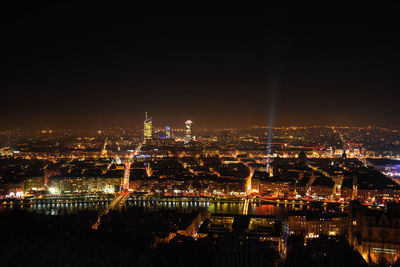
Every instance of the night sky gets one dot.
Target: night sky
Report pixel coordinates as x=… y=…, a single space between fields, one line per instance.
x=68 y=66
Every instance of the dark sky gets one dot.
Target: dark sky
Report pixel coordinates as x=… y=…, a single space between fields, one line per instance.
x=96 y=66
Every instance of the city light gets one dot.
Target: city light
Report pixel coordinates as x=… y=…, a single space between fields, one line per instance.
x=155 y=136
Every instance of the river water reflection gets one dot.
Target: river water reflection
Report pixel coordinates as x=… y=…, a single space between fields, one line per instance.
x=280 y=211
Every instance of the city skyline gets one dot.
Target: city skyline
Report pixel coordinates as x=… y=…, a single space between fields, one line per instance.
x=283 y=190
x=199 y=135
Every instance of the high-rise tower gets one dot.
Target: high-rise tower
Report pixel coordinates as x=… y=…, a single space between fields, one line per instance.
x=188 y=131
x=167 y=132
x=148 y=129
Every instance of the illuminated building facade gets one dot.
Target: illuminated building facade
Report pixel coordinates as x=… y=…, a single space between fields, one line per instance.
x=265 y=229
x=11 y=188
x=188 y=131
x=67 y=185
x=374 y=233
x=34 y=183
x=275 y=187
x=322 y=187
x=148 y=129
x=315 y=224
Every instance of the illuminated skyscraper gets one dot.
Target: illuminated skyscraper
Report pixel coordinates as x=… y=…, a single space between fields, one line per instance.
x=188 y=131
x=148 y=128
x=167 y=132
